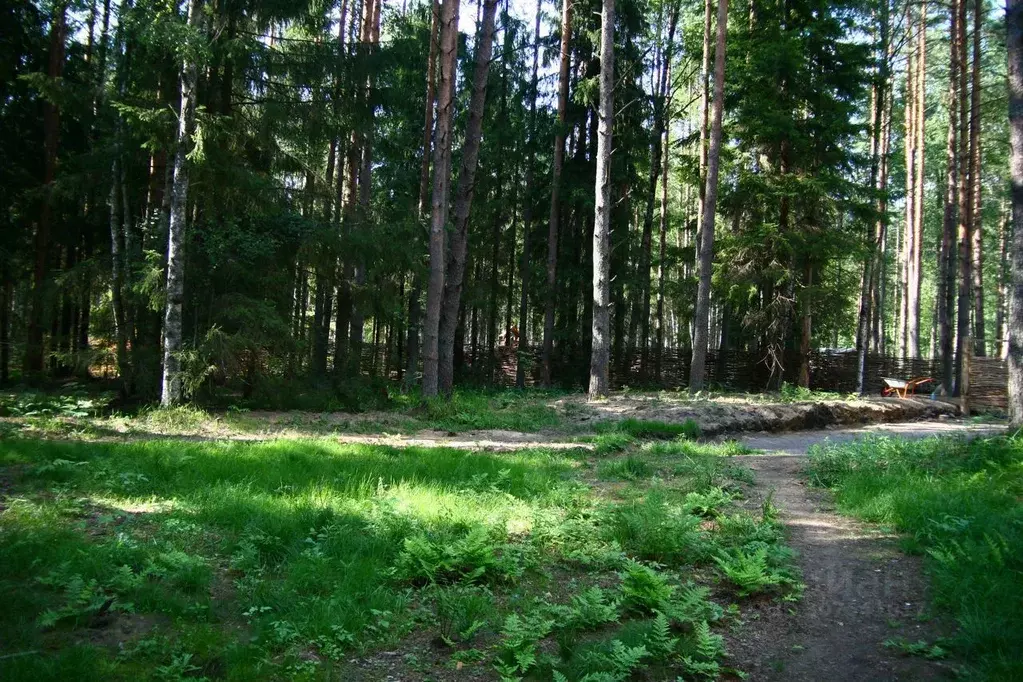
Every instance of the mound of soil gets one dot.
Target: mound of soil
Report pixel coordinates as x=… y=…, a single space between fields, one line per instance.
x=725 y=415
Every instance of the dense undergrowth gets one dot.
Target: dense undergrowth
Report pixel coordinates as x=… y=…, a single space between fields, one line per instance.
x=959 y=504
x=171 y=559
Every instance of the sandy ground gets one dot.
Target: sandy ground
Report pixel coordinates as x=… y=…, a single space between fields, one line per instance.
x=860 y=588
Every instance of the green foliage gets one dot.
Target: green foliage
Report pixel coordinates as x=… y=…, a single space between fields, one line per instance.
x=610 y=443
x=72 y=401
x=753 y=570
x=588 y=610
x=645 y=428
x=660 y=528
x=625 y=468
x=469 y=557
x=517 y=654
x=919 y=648
x=958 y=502
x=462 y=612
x=644 y=589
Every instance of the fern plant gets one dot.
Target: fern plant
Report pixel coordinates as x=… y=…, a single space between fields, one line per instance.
x=644 y=589
x=702 y=652
x=751 y=572
x=517 y=650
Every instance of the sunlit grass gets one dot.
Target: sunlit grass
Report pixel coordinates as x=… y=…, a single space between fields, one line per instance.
x=283 y=559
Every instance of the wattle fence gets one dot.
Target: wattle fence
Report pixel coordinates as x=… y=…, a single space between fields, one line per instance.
x=830 y=370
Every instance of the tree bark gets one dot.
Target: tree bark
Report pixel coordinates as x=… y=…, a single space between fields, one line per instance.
x=441 y=189
x=527 y=212
x=416 y=290
x=458 y=241
x=641 y=305
x=1014 y=52
x=34 y=349
x=964 y=342
x=706 y=242
x=172 y=389
x=600 y=354
x=559 y=162
x=947 y=253
x=1003 y=277
x=879 y=179
x=976 y=211
x=916 y=255
x=662 y=251
x=708 y=14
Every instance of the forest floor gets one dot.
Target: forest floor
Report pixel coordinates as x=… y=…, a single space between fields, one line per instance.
x=506 y=420
x=508 y=535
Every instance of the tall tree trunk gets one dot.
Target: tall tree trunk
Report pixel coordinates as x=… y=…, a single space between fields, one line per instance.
x=600 y=354
x=458 y=242
x=416 y=291
x=6 y=299
x=916 y=255
x=806 y=326
x=879 y=178
x=706 y=242
x=708 y=15
x=964 y=343
x=976 y=212
x=527 y=212
x=907 y=248
x=641 y=304
x=370 y=38
x=1003 y=277
x=172 y=390
x=559 y=162
x=662 y=251
x=34 y=350
x=1014 y=52
x=441 y=189
x=947 y=252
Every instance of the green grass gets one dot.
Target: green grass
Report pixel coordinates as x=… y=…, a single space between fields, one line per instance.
x=169 y=558
x=959 y=504
x=647 y=428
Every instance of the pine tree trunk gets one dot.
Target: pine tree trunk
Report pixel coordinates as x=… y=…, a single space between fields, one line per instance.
x=878 y=172
x=6 y=298
x=947 y=253
x=527 y=213
x=34 y=349
x=370 y=38
x=416 y=290
x=1014 y=51
x=1000 y=305
x=459 y=237
x=706 y=241
x=964 y=343
x=907 y=249
x=559 y=162
x=662 y=251
x=976 y=211
x=600 y=354
x=441 y=189
x=916 y=255
x=172 y=389
x=708 y=15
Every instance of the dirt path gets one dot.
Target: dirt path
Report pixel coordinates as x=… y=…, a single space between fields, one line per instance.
x=860 y=588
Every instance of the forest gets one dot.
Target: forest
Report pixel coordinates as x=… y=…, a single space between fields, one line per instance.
x=227 y=200
x=553 y=340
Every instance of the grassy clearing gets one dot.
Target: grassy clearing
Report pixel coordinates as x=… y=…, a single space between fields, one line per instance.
x=284 y=560
x=959 y=504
